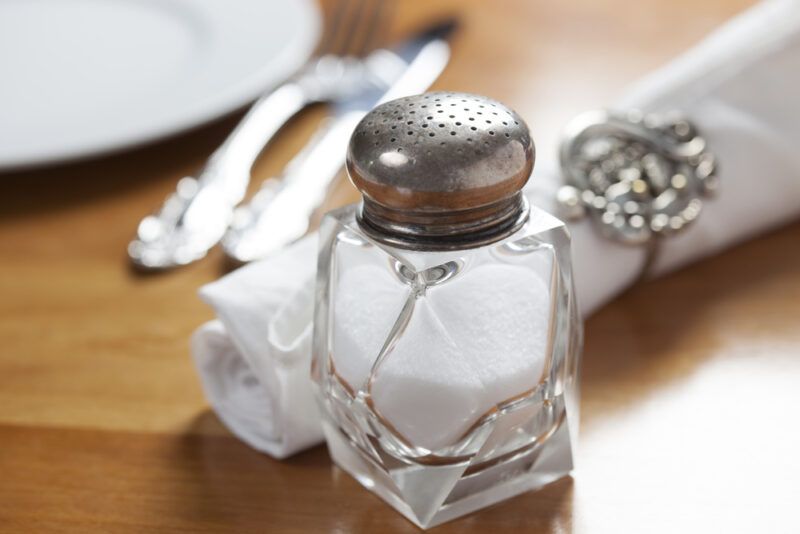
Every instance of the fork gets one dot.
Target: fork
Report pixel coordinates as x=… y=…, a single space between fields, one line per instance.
x=195 y=217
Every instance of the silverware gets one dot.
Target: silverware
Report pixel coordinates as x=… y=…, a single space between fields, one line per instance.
x=194 y=218
x=281 y=211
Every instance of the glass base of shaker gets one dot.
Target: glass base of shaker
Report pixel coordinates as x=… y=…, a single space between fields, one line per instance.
x=431 y=495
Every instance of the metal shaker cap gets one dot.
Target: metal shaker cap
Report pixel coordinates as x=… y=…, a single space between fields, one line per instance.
x=441 y=170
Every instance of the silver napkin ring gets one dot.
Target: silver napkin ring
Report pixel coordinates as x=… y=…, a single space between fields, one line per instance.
x=638 y=177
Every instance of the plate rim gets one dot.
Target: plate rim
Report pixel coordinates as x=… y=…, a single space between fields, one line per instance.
x=236 y=96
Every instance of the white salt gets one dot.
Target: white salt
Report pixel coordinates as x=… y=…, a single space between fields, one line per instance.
x=367 y=301
x=471 y=343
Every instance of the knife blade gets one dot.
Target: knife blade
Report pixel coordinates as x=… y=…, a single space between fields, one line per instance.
x=280 y=212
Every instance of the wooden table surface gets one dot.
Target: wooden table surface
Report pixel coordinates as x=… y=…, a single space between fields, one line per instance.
x=690 y=407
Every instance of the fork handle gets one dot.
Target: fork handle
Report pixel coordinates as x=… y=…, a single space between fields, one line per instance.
x=228 y=168
x=281 y=212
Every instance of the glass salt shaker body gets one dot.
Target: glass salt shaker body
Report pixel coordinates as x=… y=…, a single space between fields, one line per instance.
x=447 y=337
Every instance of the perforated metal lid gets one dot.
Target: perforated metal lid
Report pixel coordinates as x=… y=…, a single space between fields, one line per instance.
x=441 y=170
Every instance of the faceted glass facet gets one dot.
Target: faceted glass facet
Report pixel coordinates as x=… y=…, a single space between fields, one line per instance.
x=447 y=380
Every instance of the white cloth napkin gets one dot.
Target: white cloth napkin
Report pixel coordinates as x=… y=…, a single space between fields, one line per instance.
x=254 y=360
x=741 y=87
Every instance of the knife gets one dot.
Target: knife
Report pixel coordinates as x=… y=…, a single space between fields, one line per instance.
x=280 y=213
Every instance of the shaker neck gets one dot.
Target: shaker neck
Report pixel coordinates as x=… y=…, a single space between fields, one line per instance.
x=443 y=230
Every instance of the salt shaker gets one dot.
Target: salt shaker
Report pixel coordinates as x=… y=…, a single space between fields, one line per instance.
x=446 y=336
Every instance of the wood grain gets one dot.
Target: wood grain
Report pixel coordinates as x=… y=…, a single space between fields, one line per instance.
x=689 y=406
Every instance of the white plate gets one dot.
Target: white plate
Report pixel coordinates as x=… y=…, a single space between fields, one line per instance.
x=83 y=77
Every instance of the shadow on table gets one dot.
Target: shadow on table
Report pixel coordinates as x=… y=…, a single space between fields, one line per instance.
x=235 y=486
x=72 y=184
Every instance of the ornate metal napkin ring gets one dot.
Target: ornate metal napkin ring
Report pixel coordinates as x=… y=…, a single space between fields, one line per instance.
x=638 y=177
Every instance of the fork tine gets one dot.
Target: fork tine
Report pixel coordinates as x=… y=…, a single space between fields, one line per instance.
x=379 y=21
x=350 y=30
x=335 y=28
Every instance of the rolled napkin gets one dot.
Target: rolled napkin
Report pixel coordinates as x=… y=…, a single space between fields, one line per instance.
x=739 y=87
x=254 y=360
